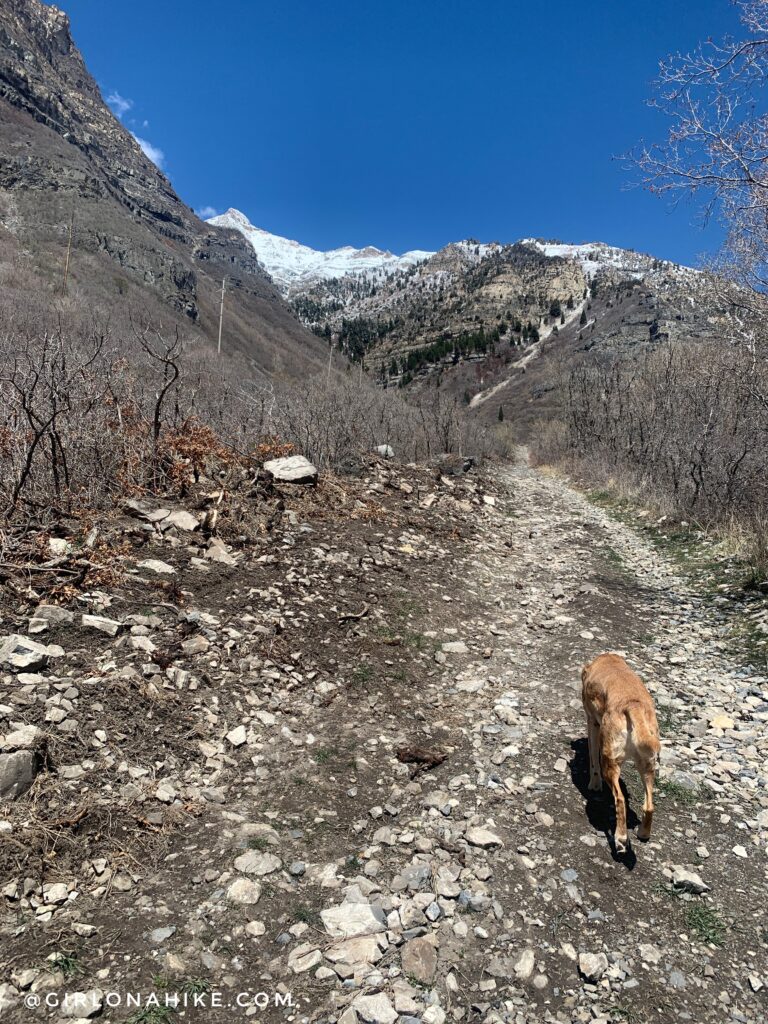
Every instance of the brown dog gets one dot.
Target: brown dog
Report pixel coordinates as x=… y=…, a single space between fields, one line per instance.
x=621 y=725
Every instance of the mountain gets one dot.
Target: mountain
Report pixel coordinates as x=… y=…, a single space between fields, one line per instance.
x=488 y=319
x=295 y=267
x=65 y=158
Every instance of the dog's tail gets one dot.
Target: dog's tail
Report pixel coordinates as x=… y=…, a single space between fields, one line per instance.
x=644 y=728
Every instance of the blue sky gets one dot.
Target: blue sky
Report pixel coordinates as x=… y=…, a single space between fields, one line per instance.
x=406 y=123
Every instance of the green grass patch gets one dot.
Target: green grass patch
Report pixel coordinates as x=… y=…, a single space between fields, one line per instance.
x=362 y=674
x=705 y=922
x=196 y=986
x=260 y=843
x=306 y=915
x=680 y=794
x=665 y=716
x=151 y=1015
x=69 y=965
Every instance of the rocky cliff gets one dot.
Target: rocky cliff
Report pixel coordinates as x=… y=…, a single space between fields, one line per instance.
x=64 y=157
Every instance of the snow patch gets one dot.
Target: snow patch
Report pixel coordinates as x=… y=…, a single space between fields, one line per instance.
x=294 y=265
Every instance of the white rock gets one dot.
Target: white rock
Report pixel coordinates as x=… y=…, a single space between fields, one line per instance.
x=351 y=919
x=26 y=738
x=82 y=1004
x=253 y=863
x=593 y=965
x=455 y=647
x=182 y=520
x=483 y=837
x=244 y=890
x=433 y=1015
x=524 y=965
x=237 y=736
x=688 y=881
x=294 y=469
x=108 y=626
x=155 y=565
x=304 y=957
x=21 y=652
x=375 y=1009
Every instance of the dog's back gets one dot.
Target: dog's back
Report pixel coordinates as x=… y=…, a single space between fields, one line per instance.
x=618 y=699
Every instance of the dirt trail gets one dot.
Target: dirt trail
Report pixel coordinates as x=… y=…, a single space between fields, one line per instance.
x=482 y=888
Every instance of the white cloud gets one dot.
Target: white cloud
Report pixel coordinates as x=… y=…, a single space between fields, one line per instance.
x=120 y=105
x=156 y=155
x=206 y=212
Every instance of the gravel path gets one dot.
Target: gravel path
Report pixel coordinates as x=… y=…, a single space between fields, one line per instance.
x=326 y=861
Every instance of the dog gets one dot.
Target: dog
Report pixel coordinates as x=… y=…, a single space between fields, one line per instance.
x=621 y=725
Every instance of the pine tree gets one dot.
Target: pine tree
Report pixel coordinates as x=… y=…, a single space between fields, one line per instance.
x=583 y=317
x=501 y=414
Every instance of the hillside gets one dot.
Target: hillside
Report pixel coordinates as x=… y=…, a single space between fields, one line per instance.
x=65 y=158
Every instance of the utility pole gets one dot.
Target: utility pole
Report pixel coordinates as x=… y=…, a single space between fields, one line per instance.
x=221 y=310
x=69 y=252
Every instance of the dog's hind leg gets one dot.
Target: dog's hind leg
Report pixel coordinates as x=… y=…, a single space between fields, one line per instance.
x=612 y=775
x=593 y=739
x=648 y=774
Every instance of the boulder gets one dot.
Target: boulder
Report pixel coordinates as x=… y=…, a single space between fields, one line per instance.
x=21 y=652
x=386 y=451
x=483 y=837
x=294 y=469
x=352 y=919
x=17 y=773
x=688 y=881
x=53 y=613
x=253 y=863
x=375 y=1009
x=182 y=520
x=419 y=960
x=26 y=737
x=592 y=966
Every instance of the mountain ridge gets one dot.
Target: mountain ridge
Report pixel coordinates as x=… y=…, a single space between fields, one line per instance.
x=294 y=266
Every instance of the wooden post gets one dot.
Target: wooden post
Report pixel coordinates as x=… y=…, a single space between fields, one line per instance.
x=221 y=311
x=69 y=252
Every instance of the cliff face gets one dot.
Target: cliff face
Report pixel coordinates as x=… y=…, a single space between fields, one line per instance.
x=64 y=156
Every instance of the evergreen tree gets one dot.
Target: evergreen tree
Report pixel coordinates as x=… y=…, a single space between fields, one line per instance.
x=501 y=414
x=583 y=317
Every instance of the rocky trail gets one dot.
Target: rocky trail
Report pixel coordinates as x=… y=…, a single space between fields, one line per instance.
x=331 y=766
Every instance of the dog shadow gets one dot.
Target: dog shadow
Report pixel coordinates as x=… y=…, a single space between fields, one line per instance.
x=601 y=812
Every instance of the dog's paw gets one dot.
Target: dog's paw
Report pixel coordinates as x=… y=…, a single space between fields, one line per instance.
x=643 y=836
x=595 y=785
x=621 y=844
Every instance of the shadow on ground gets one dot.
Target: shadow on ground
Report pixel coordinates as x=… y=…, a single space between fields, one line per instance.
x=599 y=805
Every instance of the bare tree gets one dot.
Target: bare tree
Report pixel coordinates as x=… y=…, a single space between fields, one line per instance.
x=716 y=148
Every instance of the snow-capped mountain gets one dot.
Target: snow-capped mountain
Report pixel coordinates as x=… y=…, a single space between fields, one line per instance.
x=293 y=266
x=596 y=256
